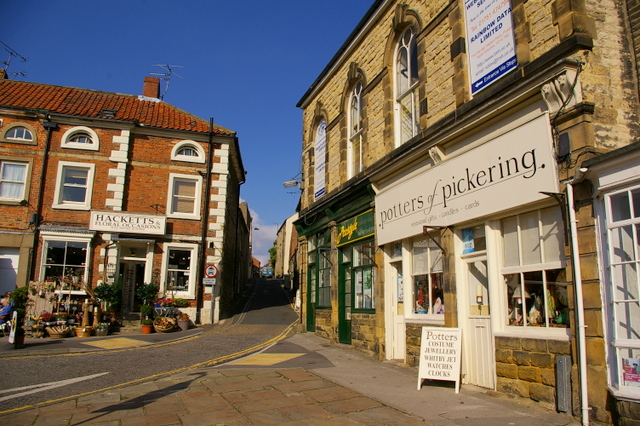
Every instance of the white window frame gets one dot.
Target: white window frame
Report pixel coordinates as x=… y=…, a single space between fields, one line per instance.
x=190 y=293
x=67 y=143
x=410 y=93
x=355 y=118
x=66 y=239
x=25 y=182
x=70 y=205
x=617 y=346
x=173 y=177
x=200 y=158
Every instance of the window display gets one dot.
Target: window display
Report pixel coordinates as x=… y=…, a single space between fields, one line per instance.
x=427 y=277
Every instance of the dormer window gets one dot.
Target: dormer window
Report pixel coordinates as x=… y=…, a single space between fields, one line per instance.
x=81 y=138
x=189 y=151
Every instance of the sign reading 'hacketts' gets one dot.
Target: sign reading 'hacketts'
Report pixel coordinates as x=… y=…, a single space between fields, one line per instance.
x=135 y=223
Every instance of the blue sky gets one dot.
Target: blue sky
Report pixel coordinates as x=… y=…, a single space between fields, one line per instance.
x=244 y=63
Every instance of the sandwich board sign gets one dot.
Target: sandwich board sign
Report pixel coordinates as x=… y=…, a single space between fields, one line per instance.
x=440 y=354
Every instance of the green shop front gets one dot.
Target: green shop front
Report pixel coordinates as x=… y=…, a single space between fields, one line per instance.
x=339 y=298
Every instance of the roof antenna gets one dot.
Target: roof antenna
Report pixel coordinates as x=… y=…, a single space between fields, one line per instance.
x=166 y=76
x=12 y=53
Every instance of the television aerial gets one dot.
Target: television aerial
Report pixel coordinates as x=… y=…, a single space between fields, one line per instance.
x=166 y=76
x=12 y=54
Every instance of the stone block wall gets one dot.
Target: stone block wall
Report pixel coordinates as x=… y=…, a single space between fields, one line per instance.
x=526 y=367
x=324 y=327
x=363 y=334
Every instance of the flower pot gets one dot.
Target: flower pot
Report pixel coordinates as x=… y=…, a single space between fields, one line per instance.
x=183 y=324
x=101 y=331
x=83 y=331
x=147 y=329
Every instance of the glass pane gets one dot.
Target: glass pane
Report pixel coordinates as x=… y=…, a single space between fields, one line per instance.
x=436 y=257
x=13 y=172
x=552 y=234
x=635 y=194
x=625 y=280
x=556 y=301
x=478 y=284
x=515 y=305
x=178 y=281
x=184 y=188
x=402 y=70
x=183 y=206
x=52 y=273
x=407 y=119
x=76 y=253
x=630 y=362
x=437 y=295
x=75 y=176
x=622 y=242
x=420 y=257
x=510 y=241
x=11 y=190
x=620 y=209
x=179 y=259
x=628 y=320
x=73 y=194
x=533 y=298
x=421 y=294
x=358 y=289
x=530 y=239
x=55 y=252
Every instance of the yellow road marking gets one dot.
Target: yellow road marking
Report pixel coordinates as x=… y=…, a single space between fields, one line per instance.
x=264 y=359
x=117 y=343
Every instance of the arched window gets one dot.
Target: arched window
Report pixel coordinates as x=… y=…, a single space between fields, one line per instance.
x=189 y=151
x=320 y=152
x=354 y=148
x=19 y=133
x=81 y=138
x=406 y=81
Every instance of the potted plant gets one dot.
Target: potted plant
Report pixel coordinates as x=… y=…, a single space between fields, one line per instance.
x=147 y=326
x=183 y=321
x=147 y=292
x=146 y=312
x=102 y=329
x=19 y=298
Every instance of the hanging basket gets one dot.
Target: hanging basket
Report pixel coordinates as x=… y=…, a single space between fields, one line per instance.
x=164 y=324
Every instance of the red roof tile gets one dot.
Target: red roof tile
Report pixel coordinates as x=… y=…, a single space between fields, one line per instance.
x=89 y=103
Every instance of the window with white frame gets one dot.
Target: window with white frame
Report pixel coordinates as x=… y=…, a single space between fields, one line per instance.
x=426 y=275
x=74 y=186
x=534 y=269
x=185 y=192
x=623 y=286
x=180 y=268
x=81 y=137
x=188 y=151
x=19 y=133
x=406 y=87
x=13 y=180
x=354 y=149
x=65 y=260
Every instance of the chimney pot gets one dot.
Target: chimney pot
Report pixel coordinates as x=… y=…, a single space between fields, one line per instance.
x=151 y=88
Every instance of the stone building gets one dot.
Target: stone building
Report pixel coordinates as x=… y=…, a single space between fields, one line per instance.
x=120 y=189
x=466 y=166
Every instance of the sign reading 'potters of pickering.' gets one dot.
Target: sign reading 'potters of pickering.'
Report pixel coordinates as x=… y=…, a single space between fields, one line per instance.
x=510 y=170
x=356 y=228
x=440 y=355
x=133 y=223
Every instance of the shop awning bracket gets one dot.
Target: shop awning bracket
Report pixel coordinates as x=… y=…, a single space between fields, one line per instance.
x=425 y=231
x=322 y=251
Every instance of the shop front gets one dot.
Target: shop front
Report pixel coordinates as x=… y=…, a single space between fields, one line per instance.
x=476 y=242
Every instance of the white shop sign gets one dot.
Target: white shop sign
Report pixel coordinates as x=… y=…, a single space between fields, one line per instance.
x=135 y=223
x=509 y=171
x=440 y=355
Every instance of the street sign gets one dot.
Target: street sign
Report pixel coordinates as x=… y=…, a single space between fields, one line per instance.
x=209 y=281
x=211 y=271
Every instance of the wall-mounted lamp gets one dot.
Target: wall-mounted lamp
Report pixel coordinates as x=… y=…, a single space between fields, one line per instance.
x=291 y=183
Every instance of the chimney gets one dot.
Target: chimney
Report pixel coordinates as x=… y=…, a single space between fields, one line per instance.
x=151 y=88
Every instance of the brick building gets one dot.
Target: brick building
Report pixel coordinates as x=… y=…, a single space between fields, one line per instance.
x=121 y=189
x=471 y=165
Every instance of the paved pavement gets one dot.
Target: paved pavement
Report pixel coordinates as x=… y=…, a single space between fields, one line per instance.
x=301 y=380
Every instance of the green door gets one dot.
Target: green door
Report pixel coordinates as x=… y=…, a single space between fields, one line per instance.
x=311 y=298
x=344 y=296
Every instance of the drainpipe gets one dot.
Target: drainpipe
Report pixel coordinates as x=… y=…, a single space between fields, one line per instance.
x=205 y=228
x=49 y=125
x=577 y=277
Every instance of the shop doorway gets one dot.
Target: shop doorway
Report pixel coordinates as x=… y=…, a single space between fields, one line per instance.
x=344 y=302
x=477 y=335
x=397 y=342
x=131 y=277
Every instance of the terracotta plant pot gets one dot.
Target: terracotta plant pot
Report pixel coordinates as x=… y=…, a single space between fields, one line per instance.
x=147 y=329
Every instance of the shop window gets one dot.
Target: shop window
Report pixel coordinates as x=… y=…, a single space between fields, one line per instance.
x=533 y=269
x=623 y=286
x=13 y=180
x=74 y=186
x=319 y=265
x=63 y=260
x=81 y=138
x=362 y=267
x=406 y=82
x=427 y=277
x=180 y=262
x=354 y=149
x=184 y=196
x=188 y=151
